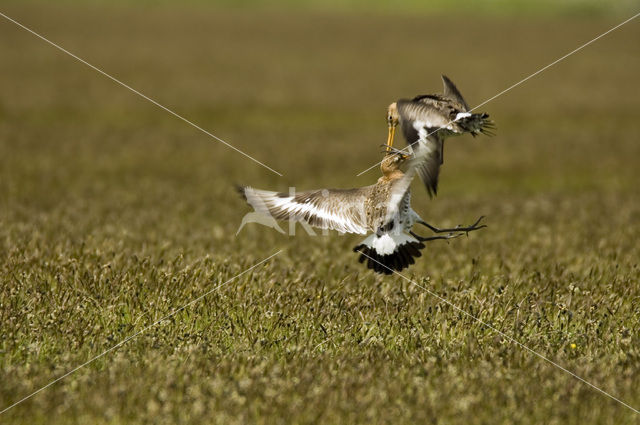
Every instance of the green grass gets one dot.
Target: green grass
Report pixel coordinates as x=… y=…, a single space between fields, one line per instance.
x=113 y=213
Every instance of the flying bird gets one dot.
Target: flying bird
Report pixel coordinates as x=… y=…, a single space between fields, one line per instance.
x=426 y=121
x=382 y=210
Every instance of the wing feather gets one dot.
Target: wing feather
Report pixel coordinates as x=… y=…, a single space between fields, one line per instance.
x=428 y=153
x=420 y=125
x=433 y=112
x=427 y=120
x=452 y=92
x=337 y=209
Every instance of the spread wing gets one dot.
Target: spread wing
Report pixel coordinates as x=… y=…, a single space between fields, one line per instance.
x=426 y=120
x=337 y=209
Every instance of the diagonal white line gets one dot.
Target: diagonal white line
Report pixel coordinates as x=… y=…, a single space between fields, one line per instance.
x=138 y=93
x=556 y=61
x=510 y=338
x=521 y=81
x=129 y=338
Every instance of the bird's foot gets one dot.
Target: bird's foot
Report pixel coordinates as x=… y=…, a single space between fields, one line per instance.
x=458 y=228
x=433 y=238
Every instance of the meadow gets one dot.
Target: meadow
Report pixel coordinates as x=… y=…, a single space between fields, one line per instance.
x=113 y=214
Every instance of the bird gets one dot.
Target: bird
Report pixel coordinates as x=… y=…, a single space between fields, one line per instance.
x=426 y=120
x=381 y=210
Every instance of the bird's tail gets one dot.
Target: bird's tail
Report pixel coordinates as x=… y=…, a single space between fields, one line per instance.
x=390 y=251
x=476 y=123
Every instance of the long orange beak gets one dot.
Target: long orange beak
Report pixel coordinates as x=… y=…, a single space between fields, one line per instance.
x=392 y=131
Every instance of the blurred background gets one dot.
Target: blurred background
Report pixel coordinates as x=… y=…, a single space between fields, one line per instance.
x=92 y=175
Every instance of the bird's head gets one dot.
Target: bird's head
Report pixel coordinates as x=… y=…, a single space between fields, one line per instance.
x=391 y=163
x=392 y=115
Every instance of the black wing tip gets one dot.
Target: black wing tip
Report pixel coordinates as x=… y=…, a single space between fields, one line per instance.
x=430 y=184
x=397 y=261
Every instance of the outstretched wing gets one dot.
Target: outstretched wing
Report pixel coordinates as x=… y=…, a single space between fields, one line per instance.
x=426 y=120
x=337 y=209
x=433 y=113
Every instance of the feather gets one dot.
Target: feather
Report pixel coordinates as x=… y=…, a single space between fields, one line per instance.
x=336 y=209
x=451 y=91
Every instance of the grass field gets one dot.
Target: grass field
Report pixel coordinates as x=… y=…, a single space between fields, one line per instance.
x=113 y=213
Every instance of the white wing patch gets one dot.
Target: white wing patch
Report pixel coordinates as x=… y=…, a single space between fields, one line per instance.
x=324 y=213
x=461 y=115
x=420 y=125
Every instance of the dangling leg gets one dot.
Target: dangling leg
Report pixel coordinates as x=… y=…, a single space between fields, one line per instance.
x=433 y=238
x=458 y=228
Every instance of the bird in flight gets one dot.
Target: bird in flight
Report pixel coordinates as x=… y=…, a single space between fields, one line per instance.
x=426 y=121
x=382 y=210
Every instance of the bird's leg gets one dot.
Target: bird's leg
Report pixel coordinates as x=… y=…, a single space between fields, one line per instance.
x=467 y=229
x=433 y=238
